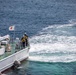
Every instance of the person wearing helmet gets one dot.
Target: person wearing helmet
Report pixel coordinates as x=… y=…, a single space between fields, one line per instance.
x=26 y=39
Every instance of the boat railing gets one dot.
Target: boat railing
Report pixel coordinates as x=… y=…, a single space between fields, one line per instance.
x=10 y=48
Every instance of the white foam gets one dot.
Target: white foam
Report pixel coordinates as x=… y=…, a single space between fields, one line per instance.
x=68 y=58
x=72 y=21
x=49 y=47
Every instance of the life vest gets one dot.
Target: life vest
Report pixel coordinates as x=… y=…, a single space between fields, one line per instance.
x=26 y=37
x=23 y=39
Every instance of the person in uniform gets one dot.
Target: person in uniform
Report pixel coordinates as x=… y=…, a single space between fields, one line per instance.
x=26 y=39
x=23 y=41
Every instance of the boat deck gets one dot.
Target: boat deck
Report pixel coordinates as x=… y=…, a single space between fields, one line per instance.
x=13 y=50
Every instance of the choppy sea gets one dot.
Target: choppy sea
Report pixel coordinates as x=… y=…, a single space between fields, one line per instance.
x=51 y=27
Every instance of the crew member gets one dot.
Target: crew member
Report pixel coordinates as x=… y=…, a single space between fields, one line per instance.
x=26 y=39
x=23 y=41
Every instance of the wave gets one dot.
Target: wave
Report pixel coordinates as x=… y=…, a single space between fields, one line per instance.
x=56 y=43
x=72 y=21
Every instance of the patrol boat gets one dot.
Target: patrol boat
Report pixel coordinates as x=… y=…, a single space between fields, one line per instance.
x=9 y=54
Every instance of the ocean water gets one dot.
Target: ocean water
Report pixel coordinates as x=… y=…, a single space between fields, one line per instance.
x=51 y=27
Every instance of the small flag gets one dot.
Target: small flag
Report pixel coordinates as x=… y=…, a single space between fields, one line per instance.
x=11 y=28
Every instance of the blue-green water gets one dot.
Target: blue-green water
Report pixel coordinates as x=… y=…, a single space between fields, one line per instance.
x=42 y=68
x=51 y=26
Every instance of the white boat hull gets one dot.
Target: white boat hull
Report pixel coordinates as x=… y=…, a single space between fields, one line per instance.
x=7 y=62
